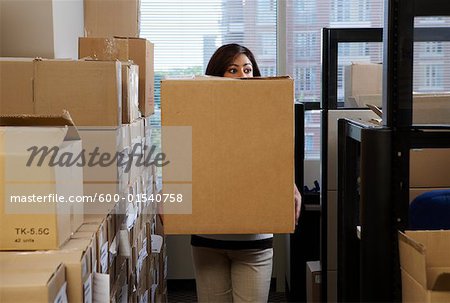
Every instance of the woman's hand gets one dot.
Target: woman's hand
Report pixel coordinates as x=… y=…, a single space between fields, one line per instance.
x=298 y=203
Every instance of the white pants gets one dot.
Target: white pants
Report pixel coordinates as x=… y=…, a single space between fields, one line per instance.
x=232 y=275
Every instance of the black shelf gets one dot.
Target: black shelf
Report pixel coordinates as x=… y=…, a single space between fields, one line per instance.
x=373 y=163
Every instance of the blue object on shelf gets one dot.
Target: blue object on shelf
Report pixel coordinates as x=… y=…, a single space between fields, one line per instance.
x=430 y=211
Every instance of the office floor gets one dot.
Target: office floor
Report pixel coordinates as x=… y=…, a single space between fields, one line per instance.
x=184 y=291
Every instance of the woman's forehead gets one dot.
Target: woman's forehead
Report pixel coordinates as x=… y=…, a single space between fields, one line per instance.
x=240 y=59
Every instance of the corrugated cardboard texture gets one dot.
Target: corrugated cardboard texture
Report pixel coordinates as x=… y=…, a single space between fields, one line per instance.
x=16 y=86
x=43 y=225
x=425 y=265
x=41 y=285
x=140 y=51
x=431 y=108
x=103 y=48
x=75 y=258
x=90 y=91
x=242 y=154
x=109 y=18
x=313 y=281
x=362 y=79
x=429 y=168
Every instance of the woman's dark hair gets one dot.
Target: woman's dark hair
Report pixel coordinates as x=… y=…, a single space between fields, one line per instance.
x=224 y=56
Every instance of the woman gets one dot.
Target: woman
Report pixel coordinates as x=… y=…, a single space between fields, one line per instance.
x=234 y=268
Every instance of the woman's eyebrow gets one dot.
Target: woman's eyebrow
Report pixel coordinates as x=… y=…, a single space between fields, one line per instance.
x=234 y=64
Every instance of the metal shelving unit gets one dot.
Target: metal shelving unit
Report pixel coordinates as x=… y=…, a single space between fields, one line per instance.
x=331 y=38
x=373 y=188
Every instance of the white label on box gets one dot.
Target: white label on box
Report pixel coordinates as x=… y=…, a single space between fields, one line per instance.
x=142 y=255
x=153 y=227
x=113 y=250
x=61 y=297
x=131 y=215
x=87 y=290
x=124 y=244
x=84 y=266
x=144 y=244
x=104 y=258
x=317 y=279
x=100 y=293
x=157 y=242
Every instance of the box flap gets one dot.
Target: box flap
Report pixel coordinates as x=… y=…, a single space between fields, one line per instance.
x=442 y=282
x=436 y=244
x=425 y=255
x=412 y=258
x=43 y=120
x=24 y=278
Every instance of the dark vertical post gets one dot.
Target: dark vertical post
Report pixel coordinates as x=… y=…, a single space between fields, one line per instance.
x=324 y=169
x=376 y=217
x=348 y=217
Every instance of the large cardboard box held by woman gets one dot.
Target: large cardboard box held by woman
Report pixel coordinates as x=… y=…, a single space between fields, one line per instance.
x=241 y=179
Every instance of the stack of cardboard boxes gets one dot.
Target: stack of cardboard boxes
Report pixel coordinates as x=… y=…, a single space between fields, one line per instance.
x=363 y=86
x=98 y=245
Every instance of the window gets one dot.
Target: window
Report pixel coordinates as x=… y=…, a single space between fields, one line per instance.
x=433 y=48
x=305 y=77
x=433 y=77
x=347 y=11
x=341 y=11
x=187 y=32
x=264 y=8
x=312 y=134
x=268 y=45
x=305 y=11
x=305 y=45
x=267 y=70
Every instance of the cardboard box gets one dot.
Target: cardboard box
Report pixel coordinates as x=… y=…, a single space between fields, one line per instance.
x=130 y=92
x=48 y=284
x=102 y=245
x=92 y=236
x=44 y=223
x=90 y=91
x=429 y=167
x=313 y=281
x=362 y=79
x=425 y=266
x=427 y=108
x=242 y=152
x=138 y=50
x=109 y=18
x=46 y=28
x=101 y=180
x=16 y=80
x=75 y=255
x=431 y=108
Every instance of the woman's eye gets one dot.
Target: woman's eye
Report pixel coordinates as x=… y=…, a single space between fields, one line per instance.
x=247 y=70
x=232 y=70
